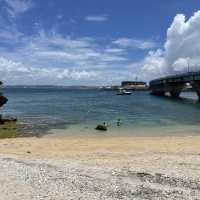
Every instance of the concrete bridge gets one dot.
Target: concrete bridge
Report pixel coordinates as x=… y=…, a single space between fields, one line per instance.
x=175 y=84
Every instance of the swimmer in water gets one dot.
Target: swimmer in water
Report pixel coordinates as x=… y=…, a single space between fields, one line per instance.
x=119 y=122
x=105 y=124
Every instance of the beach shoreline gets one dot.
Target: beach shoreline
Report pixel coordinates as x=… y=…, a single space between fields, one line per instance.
x=100 y=168
x=62 y=146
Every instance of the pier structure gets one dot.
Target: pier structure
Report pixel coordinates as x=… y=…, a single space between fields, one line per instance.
x=175 y=84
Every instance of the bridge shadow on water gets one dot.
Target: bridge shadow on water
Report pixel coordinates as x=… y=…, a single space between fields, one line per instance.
x=189 y=98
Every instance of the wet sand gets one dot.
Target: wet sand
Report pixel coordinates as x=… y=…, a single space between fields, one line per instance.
x=100 y=168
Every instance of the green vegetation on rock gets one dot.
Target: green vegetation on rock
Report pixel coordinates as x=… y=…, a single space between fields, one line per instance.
x=8 y=130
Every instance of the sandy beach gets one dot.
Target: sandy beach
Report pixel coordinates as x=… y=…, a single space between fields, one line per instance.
x=99 y=100
x=100 y=168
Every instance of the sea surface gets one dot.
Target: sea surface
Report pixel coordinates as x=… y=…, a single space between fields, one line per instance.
x=61 y=112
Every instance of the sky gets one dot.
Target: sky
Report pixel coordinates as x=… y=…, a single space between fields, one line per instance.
x=96 y=42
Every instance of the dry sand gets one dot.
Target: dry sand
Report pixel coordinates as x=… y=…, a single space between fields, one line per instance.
x=100 y=168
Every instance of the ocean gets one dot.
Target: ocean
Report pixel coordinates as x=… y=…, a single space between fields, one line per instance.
x=62 y=111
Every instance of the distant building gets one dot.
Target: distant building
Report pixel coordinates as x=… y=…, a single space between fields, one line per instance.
x=134 y=85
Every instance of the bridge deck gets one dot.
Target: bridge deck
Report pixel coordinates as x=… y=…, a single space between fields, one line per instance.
x=181 y=78
x=175 y=84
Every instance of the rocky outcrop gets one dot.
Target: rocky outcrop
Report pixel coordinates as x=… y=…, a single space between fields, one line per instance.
x=3 y=100
x=101 y=127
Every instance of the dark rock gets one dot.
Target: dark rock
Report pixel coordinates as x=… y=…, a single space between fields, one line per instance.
x=9 y=120
x=101 y=127
x=3 y=100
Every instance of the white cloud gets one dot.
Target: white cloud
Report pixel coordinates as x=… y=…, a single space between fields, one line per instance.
x=134 y=43
x=51 y=58
x=77 y=75
x=154 y=64
x=96 y=18
x=183 y=40
x=16 y=7
x=182 y=48
x=180 y=64
x=18 y=73
x=76 y=52
x=115 y=50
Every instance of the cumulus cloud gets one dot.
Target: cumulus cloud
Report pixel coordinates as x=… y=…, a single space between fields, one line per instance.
x=154 y=64
x=52 y=58
x=96 y=18
x=47 y=57
x=18 y=73
x=183 y=41
x=134 y=43
x=181 y=49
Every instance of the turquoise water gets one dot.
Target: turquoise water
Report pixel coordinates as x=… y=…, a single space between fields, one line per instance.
x=45 y=110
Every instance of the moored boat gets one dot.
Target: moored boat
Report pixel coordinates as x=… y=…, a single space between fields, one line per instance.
x=124 y=92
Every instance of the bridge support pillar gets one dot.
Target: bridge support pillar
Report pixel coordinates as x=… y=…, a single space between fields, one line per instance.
x=196 y=87
x=156 y=93
x=175 y=94
x=175 y=90
x=198 y=94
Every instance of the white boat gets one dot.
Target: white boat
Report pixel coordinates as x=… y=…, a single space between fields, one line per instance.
x=123 y=91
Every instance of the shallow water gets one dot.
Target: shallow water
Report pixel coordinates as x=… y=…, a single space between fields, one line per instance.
x=44 y=110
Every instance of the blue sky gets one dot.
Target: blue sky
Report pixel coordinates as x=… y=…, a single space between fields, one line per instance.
x=94 y=42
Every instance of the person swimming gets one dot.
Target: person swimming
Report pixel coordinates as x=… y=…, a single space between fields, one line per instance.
x=119 y=122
